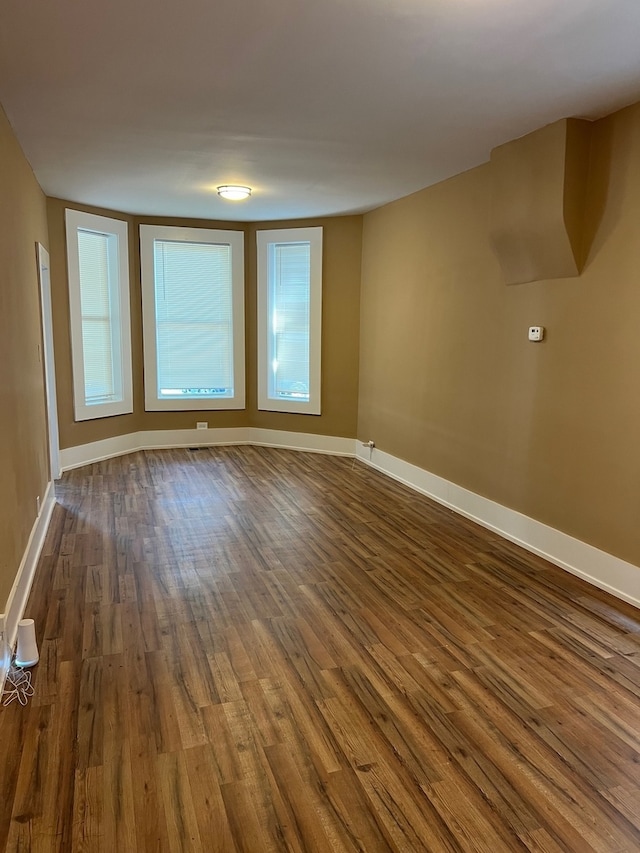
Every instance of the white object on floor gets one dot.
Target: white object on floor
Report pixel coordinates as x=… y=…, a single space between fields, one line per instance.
x=18 y=686
x=27 y=653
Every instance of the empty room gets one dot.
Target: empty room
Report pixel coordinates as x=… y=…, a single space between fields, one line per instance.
x=320 y=506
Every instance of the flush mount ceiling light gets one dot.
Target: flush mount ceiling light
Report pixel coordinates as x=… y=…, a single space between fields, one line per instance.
x=234 y=193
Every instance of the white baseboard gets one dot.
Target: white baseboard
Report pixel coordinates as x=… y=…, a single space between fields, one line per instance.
x=308 y=442
x=599 y=568
x=85 y=454
x=17 y=601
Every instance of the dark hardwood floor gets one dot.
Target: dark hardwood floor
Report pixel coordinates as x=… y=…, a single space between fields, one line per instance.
x=248 y=649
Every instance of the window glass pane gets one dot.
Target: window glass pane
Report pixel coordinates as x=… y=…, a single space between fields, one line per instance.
x=194 y=319
x=97 y=319
x=290 y=293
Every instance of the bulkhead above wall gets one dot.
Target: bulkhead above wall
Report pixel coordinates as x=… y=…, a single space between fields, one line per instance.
x=539 y=185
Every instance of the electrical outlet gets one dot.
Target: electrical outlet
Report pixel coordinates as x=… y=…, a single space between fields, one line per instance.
x=202 y=425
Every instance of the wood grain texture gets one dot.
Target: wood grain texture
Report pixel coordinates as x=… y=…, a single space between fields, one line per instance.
x=249 y=649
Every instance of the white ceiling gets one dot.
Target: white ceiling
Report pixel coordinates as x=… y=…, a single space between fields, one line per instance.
x=322 y=106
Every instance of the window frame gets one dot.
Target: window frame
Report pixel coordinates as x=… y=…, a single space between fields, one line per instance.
x=119 y=294
x=264 y=238
x=235 y=239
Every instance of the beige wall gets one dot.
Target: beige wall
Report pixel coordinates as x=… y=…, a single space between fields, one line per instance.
x=538 y=200
x=449 y=382
x=23 y=432
x=341 y=289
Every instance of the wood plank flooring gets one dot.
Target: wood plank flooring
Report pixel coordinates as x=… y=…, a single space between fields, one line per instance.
x=247 y=650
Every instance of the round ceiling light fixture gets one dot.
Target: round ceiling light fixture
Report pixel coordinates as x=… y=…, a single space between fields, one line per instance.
x=234 y=193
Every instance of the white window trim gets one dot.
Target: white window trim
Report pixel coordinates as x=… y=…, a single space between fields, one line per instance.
x=79 y=220
x=290 y=235
x=150 y=233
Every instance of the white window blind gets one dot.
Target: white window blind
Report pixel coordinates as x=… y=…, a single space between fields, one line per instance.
x=98 y=322
x=289 y=319
x=193 y=317
x=289 y=309
x=97 y=255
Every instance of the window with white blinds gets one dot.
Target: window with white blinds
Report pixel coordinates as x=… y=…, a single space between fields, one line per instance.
x=193 y=313
x=97 y=256
x=289 y=318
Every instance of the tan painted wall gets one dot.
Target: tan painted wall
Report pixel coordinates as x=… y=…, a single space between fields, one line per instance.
x=449 y=382
x=23 y=432
x=342 y=254
x=538 y=200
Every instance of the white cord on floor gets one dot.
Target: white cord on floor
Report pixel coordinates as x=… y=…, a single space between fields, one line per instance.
x=18 y=685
